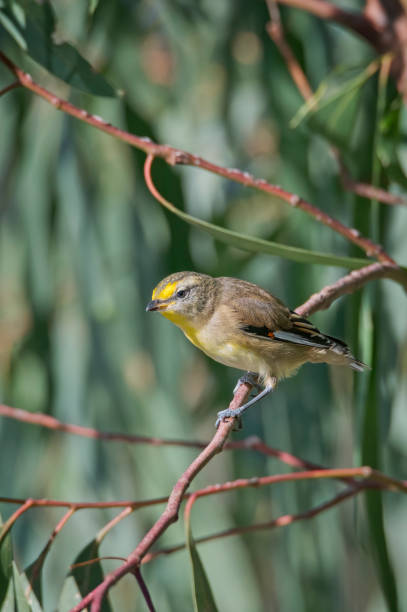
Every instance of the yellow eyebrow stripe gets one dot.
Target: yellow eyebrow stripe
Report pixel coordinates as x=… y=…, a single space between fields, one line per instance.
x=166 y=292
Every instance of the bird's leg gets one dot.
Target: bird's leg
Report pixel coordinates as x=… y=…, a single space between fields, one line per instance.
x=251 y=378
x=224 y=414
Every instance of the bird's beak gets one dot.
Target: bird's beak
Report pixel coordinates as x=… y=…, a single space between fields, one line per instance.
x=155 y=305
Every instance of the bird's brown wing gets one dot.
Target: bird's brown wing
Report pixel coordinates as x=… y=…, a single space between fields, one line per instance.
x=268 y=318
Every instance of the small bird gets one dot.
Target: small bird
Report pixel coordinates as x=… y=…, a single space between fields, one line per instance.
x=243 y=326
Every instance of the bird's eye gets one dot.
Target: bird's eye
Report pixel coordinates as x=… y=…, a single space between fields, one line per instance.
x=181 y=293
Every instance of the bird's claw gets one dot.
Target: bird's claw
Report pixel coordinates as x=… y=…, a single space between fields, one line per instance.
x=251 y=379
x=225 y=414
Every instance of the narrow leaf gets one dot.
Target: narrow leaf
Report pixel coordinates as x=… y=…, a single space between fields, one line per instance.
x=21 y=601
x=201 y=591
x=6 y=568
x=70 y=595
x=258 y=245
x=87 y=577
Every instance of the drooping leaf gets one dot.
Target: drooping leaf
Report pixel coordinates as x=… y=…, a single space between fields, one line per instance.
x=201 y=590
x=258 y=245
x=374 y=505
x=6 y=567
x=70 y=595
x=87 y=577
x=21 y=601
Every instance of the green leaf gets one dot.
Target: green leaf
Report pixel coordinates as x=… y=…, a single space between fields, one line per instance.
x=30 y=596
x=6 y=568
x=201 y=591
x=342 y=82
x=32 y=25
x=89 y=576
x=21 y=601
x=92 y=6
x=332 y=110
x=258 y=245
x=371 y=456
x=70 y=595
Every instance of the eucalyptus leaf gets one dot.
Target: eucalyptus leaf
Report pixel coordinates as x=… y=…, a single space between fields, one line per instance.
x=89 y=576
x=6 y=568
x=258 y=245
x=21 y=601
x=201 y=590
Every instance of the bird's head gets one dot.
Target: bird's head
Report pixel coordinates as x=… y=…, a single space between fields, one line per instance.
x=184 y=297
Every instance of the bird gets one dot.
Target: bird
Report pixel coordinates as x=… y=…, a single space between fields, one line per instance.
x=241 y=325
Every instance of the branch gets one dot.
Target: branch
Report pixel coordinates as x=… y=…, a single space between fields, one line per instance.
x=170 y=514
x=175 y=156
x=365 y=190
x=349 y=284
x=276 y=33
x=357 y=22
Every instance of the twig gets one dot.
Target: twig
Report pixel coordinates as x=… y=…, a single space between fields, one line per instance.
x=348 y=284
x=281 y=521
x=357 y=22
x=175 y=156
x=365 y=190
x=276 y=33
x=43 y=420
x=27 y=504
x=144 y=589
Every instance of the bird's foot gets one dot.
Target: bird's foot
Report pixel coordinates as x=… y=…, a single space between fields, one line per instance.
x=226 y=414
x=252 y=379
x=236 y=414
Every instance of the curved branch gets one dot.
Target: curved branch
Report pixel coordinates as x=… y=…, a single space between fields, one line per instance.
x=175 y=156
x=348 y=284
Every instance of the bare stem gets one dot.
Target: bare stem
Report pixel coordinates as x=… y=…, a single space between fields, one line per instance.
x=349 y=284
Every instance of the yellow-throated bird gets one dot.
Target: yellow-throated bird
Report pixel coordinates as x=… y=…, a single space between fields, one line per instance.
x=243 y=326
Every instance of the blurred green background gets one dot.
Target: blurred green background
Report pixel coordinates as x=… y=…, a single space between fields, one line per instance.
x=83 y=243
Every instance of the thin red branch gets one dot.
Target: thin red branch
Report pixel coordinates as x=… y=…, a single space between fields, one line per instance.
x=276 y=33
x=27 y=504
x=251 y=443
x=175 y=156
x=349 y=284
x=281 y=521
x=365 y=190
x=357 y=22
x=144 y=589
